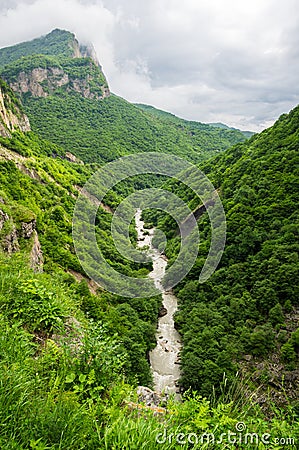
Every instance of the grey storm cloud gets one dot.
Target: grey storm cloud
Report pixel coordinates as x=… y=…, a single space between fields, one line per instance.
x=227 y=61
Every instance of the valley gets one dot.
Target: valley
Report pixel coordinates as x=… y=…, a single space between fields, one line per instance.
x=164 y=358
x=74 y=356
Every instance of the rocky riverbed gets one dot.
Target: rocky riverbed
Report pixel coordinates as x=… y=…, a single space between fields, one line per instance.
x=164 y=358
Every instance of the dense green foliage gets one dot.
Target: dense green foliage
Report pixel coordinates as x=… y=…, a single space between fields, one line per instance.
x=56 y=43
x=64 y=379
x=27 y=64
x=105 y=130
x=248 y=134
x=67 y=390
x=228 y=135
x=45 y=190
x=99 y=131
x=67 y=355
x=246 y=307
x=30 y=144
x=71 y=355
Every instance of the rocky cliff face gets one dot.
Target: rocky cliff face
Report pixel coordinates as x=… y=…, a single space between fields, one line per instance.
x=41 y=82
x=36 y=255
x=9 y=239
x=11 y=116
x=33 y=81
x=73 y=67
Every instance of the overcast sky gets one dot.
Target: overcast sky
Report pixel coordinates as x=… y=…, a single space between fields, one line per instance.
x=230 y=61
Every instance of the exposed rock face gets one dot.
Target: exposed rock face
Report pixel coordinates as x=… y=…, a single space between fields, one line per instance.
x=106 y=92
x=3 y=218
x=32 y=82
x=36 y=255
x=11 y=118
x=149 y=397
x=92 y=285
x=10 y=242
x=72 y=158
x=27 y=171
x=87 y=51
x=27 y=229
x=83 y=88
x=43 y=82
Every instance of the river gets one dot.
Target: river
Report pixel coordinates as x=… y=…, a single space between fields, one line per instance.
x=164 y=358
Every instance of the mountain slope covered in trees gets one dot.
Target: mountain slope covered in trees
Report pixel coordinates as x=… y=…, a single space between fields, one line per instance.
x=245 y=317
x=61 y=82
x=197 y=127
x=37 y=198
x=72 y=355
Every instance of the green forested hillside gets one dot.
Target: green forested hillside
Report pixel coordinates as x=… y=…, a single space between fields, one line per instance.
x=103 y=131
x=222 y=125
x=70 y=359
x=228 y=134
x=56 y=43
x=38 y=191
x=71 y=354
x=246 y=316
x=91 y=129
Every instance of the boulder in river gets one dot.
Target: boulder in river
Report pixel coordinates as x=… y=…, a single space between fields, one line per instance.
x=162 y=311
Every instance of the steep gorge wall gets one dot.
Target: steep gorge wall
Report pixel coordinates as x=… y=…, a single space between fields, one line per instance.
x=39 y=71
x=40 y=82
x=11 y=116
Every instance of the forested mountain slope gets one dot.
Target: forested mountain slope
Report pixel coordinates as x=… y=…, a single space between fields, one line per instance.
x=246 y=316
x=37 y=197
x=228 y=134
x=72 y=355
x=67 y=99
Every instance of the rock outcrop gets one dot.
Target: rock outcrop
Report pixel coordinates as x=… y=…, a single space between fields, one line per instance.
x=150 y=397
x=10 y=239
x=27 y=229
x=33 y=81
x=3 y=218
x=11 y=116
x=40 y=82
x=72 y=158
x=41 y=71
x=162 y=311
x=10 y=243
x=36 y=255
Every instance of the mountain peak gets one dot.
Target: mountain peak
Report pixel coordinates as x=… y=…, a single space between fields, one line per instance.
x=80 y=50
x=58 y=43
x=56 y=61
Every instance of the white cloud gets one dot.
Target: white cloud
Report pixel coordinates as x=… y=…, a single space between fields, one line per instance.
x=208 y=60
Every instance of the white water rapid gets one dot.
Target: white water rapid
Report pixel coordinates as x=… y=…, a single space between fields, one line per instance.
x=164 y=359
